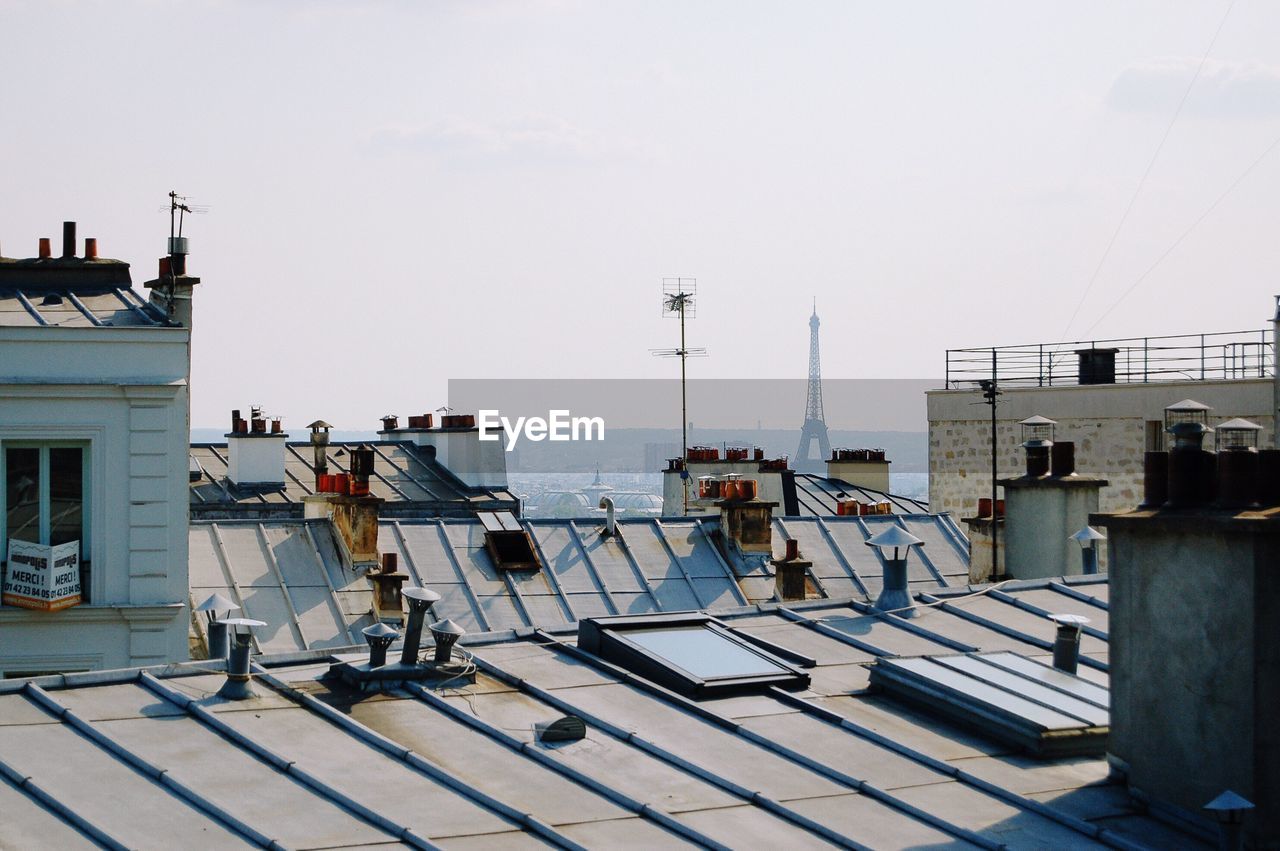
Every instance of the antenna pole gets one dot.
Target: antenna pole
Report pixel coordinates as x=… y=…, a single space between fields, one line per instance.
x=684 y=410
x=995 y=512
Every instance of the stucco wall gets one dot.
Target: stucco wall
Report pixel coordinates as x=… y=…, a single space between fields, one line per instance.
x=123 y=392
x=1194 y=665
x=1108 y=424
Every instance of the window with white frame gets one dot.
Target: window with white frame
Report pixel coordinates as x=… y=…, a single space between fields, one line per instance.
x=45 y=498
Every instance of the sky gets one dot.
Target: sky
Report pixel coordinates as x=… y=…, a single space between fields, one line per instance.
x=402 y=193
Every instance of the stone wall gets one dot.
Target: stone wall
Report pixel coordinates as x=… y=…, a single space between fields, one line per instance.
x=1108 y=423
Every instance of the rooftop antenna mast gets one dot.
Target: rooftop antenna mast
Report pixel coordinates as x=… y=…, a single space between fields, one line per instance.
x=679 y=299
x=177 y=262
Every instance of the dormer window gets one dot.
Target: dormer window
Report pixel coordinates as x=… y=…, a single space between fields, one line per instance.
x=694 y=654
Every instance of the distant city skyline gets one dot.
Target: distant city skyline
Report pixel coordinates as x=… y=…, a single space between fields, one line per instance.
x=403 y=194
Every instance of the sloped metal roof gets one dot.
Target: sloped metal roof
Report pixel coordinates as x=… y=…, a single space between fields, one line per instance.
x=67 y=308
x=289 y=573
x=817 y=496
x=309 y=764
x=401 y=474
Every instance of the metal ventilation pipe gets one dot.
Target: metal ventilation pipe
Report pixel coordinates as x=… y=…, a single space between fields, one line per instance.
x=238 y=685
x=1229 y=810
x=379 y=637
x=1087 y=538
x=610 y=521
x=420 y=602
x=68 y=239
x=446 y=634
x=1062 y=460
x=218 y=638
x=895 y=597
x=1066 y=645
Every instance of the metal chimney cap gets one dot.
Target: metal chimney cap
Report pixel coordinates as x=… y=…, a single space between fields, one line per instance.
x=447 y=627
x=243 y=622
x=217 y=603
x=1188 y=405
x=1228 y=802
x=380 y=630
x=1069 y=620
x=423 y=594
x=1037 y=420
x=1086 y=536
x=894 y=536
x=1239 y=423
x=319 y=424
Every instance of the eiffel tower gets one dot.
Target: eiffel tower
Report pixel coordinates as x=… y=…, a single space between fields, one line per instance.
x=815 y=427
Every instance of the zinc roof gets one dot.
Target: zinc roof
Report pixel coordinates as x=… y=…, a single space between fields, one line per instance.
x=308 y=763
x=401 y=474
x=291 y=575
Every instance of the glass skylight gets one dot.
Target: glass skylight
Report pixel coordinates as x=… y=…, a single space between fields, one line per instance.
x=703 y=652
x=692 y=653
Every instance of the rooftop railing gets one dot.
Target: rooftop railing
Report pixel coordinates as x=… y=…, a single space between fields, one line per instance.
x=1137 y=360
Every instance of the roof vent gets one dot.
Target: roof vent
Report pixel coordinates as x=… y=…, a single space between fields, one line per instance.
x=895 y=598
x=420 y=602
x=239 y=685
x=1066 y=645
x=570 y=728
x=216 y=634
x=379 y=636
x=445 y=633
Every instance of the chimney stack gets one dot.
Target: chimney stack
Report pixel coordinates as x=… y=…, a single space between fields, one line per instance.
x=68 y=239
x=255 y=456
x=90 y=248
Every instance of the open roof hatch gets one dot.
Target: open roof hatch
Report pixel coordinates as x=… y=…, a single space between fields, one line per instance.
x=507 y=542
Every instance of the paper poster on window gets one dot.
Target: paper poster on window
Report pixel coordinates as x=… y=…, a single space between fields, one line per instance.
x=40 y=577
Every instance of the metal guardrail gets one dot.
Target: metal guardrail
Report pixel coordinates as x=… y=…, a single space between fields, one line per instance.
x=1136 y=360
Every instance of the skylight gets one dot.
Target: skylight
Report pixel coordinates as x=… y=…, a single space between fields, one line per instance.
x=692 y=653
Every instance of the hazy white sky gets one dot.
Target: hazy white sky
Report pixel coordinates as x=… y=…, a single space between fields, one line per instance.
x=405 y=192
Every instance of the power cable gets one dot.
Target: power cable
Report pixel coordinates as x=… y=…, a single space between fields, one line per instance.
x=1145 y=174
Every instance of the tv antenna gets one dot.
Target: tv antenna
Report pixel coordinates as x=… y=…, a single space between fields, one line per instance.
x=679 y=299
x=179 y=207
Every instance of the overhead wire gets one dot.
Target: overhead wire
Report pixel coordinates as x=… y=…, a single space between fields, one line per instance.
x=1270 y=148
x=1142 y=182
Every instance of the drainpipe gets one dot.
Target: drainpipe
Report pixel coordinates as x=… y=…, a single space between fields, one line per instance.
x=1066 y=645
x=610 y=522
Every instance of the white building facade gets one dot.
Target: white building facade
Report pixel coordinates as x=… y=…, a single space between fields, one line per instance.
x=94 y=423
